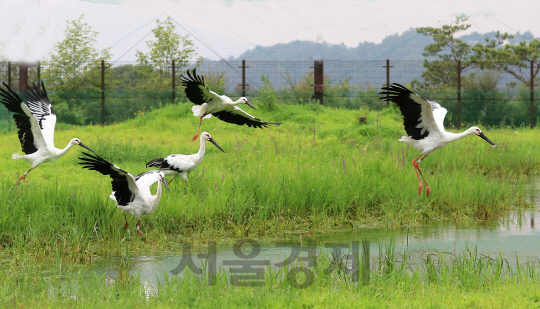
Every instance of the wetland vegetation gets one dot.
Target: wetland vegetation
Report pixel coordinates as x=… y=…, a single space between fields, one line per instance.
x=322 y=170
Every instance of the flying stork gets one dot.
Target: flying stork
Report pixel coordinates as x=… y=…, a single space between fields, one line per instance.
x=180 y=165
x=131 y=194
x=423 y=121
x=208 y=103
x=35 y=121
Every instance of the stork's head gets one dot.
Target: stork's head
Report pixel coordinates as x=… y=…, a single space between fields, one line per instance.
x=205 y=136
x=244 y=100
x=478 y=132
x=161 y=177
x=76 y=141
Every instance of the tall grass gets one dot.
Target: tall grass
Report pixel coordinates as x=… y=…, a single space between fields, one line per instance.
x=467 y=279
x=321 y=169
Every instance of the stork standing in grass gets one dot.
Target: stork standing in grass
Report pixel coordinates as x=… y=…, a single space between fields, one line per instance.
x=131 y=194
x=208 y=103
x=35 y=121
x=423 y=121
x=180 y=165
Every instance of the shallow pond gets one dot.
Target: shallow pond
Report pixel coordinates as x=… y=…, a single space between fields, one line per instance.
x=514 y=235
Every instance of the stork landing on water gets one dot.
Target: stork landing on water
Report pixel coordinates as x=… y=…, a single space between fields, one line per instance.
x=180 y=165
x=35 y=121
x=131 y=194
x=423 y=121
x=209 y=103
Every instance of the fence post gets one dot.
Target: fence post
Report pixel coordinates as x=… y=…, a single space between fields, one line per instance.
x=39 y=72
x=387 y=66
x=319 y=80
x=243 y=77
x=102 y=92
x=173 y=81
x=459 y=94
x=9 y=73
x=23 y=76
x=532 y=94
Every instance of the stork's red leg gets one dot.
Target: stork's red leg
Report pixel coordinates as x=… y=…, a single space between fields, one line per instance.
x=196 y=135
x=419 y=170
x=416 y=170
x=127 y=224
x=138 y=224
x=23 y=177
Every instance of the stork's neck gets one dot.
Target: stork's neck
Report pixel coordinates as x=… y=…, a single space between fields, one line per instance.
x=66 y=149
x=457 y=136
x=202 y=148
x=157 y=197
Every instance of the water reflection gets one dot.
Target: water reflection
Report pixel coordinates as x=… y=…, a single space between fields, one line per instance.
x=514 y=235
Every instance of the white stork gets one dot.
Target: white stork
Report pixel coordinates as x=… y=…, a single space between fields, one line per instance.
x=180 y=165
x=209 y=103
x=130 y=194
x=35 y=121
x=423 y=121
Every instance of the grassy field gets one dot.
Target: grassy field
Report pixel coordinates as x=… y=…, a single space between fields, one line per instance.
x=321 y=170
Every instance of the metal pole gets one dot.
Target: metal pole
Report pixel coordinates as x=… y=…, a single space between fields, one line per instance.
x=173 y=82
x=387 y=66
x=102 y=92
x=459 y=94
x=319 y=80
x=243 y=77
x=531 y=84
x=23 y=76
x=9 y=73
x=39 y=72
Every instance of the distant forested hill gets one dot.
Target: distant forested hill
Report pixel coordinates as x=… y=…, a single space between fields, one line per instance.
x=407 y=46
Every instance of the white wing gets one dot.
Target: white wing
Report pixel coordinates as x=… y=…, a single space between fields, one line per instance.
x=40 y=106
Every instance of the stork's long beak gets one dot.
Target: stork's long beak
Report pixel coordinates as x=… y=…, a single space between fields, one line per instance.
x=484 y=137
x=83 y=145
x=165 y=183
x=215 y=144
x=249 y=104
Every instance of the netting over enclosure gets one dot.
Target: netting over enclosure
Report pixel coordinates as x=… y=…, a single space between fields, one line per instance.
x=488 y=97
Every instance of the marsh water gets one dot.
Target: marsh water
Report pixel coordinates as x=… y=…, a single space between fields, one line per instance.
x=513 y=235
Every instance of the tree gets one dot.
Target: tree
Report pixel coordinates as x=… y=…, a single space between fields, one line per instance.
x=447 y=50
x=513 y=59
x=168 y=45
x=74 y=62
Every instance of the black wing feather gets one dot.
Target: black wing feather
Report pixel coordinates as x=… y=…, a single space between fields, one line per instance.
x=38 y=102
x=120 y=182
x=13 y=103
x=241 y=120
x=411 y=110
x=193 y=92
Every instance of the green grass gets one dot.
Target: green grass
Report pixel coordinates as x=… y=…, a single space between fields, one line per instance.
x=467 y=279
x=269 y=182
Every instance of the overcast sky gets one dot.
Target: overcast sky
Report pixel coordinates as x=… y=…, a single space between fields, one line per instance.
x=30 y=28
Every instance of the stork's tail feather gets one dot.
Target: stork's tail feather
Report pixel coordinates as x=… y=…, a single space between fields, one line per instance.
x=16 y=156
x=157 y=162
x=199 y=110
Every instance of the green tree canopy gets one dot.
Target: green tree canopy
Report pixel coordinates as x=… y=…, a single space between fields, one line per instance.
x=447 y=50
x=167 y=45
x=74 y=62
x=513 y=59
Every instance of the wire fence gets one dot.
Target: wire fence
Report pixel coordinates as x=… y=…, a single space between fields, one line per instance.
x=490 y=97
